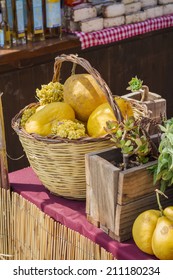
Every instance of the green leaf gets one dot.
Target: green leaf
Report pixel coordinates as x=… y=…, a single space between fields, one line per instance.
x=172 y=180
x=152 y=168
x=143 y=159
x=128 y=143
x=127 y=150
x=170 y=138
x=116 y=143
x=167 y=175
x=138 y=141
x=163 y=186
x=119 y=133
x=111 y=124
x=163 y=129
x=161 y=164
x=122 y=142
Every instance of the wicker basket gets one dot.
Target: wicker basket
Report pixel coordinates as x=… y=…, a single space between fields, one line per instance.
x=60 y=163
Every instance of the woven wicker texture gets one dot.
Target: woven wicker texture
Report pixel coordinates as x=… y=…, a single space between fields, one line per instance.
x=61 y=166
x=60 y=163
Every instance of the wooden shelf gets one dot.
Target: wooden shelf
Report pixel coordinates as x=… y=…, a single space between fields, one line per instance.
x=14 y=57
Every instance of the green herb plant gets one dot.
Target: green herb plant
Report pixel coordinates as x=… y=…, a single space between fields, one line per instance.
x=135 y=84
x=132 y=138
x=163 y=170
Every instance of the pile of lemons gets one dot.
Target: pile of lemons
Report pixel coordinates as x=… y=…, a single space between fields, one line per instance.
x=79 y=104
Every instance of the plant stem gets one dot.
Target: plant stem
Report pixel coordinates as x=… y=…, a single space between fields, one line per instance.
x=125 y=160
x=158 y=200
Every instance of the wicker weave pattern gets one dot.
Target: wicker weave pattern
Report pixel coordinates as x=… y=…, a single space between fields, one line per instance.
x=61 y=166
x=60 y=163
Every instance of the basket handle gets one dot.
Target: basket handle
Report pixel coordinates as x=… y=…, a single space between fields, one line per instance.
x=92 y=71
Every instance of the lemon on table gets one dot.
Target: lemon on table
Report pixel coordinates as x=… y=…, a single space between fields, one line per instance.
x=168 y=212
x=143 y=229
x=162 y=239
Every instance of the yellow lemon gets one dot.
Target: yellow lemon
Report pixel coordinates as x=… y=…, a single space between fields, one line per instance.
x=162 y=239
x=83 y=94
x=124 y=106
x=41 y=121
x=143 y=229
x=98 y=118
x=168 y=212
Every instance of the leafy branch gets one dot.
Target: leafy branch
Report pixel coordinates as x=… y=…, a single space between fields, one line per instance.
x=132 y=138
x=163 y=170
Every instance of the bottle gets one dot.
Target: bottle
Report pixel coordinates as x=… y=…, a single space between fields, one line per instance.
x=25 y=15
x=19 y=34
x=52 y=23
x=9 y=14
x=5 y=38
x=35 y=26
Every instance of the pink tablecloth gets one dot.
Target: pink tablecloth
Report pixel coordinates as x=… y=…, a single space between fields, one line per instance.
x=70 y=213
x=114 y=34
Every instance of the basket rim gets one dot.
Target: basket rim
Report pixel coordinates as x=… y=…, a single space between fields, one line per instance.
x=15 y=124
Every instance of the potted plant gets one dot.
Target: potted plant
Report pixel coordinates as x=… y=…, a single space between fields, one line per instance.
x=119 y=184
x=132 y=137
x=154 y=102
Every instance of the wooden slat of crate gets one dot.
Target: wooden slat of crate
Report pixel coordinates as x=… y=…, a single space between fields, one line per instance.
x=126 y=215
x=124 y=218
x=138 y=95
x=132 y=183
x=101 y=199
x=135 y=183
x=158 y=108
x=155 y=103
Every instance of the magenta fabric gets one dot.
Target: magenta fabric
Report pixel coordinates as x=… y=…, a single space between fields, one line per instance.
x=70 y=213
x=114 y=34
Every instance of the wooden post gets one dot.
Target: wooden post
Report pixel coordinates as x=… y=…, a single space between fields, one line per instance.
x=4 y=182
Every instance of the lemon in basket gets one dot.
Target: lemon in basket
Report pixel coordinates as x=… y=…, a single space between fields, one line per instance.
x=84 y=94
x=103 y=113
x=98 y=118
x=41 y=121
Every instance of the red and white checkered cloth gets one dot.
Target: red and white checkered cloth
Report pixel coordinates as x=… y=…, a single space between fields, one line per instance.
x=114 y=34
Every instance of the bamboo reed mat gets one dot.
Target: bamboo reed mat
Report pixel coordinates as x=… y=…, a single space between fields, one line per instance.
x=5 y=224
x=27 y=233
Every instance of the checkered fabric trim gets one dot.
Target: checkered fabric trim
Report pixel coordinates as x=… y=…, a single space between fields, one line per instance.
x=114 y=34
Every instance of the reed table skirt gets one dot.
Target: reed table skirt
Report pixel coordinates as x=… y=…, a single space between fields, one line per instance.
x=44 y=226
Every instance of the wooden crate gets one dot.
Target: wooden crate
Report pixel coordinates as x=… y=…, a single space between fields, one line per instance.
x=115 y=198
x=155 y=104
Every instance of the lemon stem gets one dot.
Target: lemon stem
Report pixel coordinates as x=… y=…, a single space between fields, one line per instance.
x=73 y=69
x=158 y=192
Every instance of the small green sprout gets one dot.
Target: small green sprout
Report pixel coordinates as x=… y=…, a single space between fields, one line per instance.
x=135 y=84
